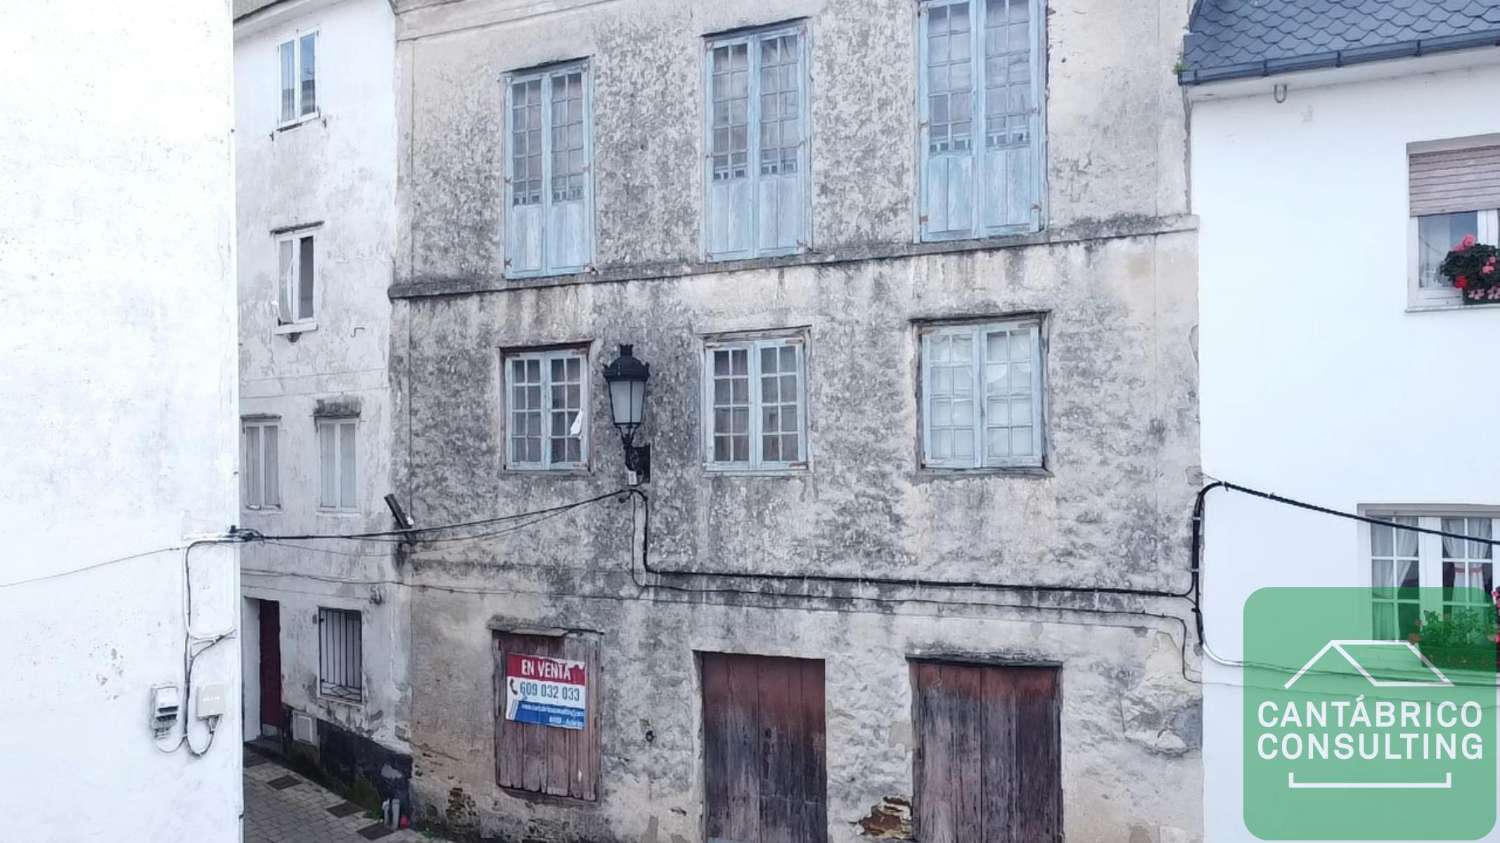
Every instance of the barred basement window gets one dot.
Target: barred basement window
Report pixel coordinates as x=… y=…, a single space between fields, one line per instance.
x=340 y=655
x=547 y=419
x=982 y=395
x=755 y=404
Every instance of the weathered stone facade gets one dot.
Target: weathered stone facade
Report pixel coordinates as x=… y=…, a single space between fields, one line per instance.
x=1113 y=272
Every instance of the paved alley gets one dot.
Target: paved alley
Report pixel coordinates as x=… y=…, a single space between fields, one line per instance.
x=284 y=807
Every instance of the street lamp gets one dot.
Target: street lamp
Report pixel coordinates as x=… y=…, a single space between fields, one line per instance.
x=627 y=378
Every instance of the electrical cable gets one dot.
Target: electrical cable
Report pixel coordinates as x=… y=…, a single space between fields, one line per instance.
x=1196 y=551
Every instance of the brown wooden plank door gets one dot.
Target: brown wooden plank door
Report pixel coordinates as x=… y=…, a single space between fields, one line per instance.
x=548 y=759
x=764 y=728
x=271 y=713
x=988 y=758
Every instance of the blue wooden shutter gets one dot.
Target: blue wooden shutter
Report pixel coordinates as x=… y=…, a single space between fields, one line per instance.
x=1012 y=116
x=729 y=212
x=780 y=143
x=567 y=234
x=525 y=186
x=948 y=119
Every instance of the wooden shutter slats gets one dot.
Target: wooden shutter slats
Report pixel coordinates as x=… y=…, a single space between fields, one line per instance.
x=544 y=759
x=1454 y=180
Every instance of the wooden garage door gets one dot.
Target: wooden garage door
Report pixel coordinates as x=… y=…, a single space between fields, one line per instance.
x=988 y=748
x=763 y=732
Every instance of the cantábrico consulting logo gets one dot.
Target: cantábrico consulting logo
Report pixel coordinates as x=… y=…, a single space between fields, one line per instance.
x=1369 y=714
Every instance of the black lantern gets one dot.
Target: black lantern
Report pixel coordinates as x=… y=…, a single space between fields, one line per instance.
x=627 y=378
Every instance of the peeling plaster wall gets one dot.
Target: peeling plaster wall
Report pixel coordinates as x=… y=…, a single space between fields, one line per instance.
x=1115 y=274
x=118 y=436
x=338 y=170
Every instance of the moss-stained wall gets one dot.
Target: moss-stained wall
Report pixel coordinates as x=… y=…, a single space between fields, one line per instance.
x=1113 y=274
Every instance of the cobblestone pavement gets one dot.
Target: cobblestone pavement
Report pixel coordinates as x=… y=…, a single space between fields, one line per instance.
x=298 y=810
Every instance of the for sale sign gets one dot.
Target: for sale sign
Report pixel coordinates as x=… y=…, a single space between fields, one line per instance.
x=545 y=691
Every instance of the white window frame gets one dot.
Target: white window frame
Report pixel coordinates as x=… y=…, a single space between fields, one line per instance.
x=290 y=288
x=976 y=331
x=258 y=461
x=751 y=38
x=546 y=75
x=1037 y=14
x=1429 y=547
x=297 y=116
x=1419 y=297
x=331 y=659
x=337 y=423
x=754 y=345
x=545 y=358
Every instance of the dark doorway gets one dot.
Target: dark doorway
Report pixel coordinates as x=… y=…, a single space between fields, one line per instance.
x=272 y=716
x=987 y=765
x=763 y=734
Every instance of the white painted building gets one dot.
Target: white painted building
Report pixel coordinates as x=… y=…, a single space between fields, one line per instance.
x=1335 y=367
x=325 y=645
x=117 y=379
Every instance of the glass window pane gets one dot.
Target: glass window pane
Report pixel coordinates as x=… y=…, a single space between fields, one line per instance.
x=327 y=469
x=271 y=482
x=288 y=82
x=1436 y=236
x=309 y=75
x=305 y=278
x=346 y=465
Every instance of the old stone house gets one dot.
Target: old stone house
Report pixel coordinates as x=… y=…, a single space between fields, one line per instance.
x=916 y=285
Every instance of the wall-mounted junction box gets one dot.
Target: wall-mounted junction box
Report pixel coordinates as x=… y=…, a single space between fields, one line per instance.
x=166 y=703
x=209 y=701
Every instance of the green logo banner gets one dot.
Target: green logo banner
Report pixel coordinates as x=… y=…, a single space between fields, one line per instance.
x=1351 y=734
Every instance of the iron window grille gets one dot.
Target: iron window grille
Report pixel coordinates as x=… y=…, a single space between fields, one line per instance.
x=340 y=655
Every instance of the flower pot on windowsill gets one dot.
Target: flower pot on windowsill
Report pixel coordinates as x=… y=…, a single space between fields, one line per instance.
x=1482 y=295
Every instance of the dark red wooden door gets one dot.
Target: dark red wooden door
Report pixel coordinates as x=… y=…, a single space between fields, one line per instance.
x=988 y=766
x=763 y=735
x=271 y=713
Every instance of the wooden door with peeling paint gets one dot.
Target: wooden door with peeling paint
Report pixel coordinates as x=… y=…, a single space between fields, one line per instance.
x=764 y=754
x=987 y=764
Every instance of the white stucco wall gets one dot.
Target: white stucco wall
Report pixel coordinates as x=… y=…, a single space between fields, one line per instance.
x=338 y=170
x=118 y=435
x=1317 y=383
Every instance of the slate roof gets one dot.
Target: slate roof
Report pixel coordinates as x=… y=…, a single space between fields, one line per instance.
x=1233 y=39
x=243 y=8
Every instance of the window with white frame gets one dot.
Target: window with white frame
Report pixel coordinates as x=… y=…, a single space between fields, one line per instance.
x=340 y=654
x=299 y=77
x=982 y=395
x=981 y=97
x=547 y=394
x=1454 y=193
x=297 y=271
x=337 y=447
x=755 y=403
x=259 y=466
x=1414 y=573
x=757 y=158
x=549 y=187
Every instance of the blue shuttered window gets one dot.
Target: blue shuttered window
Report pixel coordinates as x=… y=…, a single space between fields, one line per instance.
x=549 y=186
x=757 y=151
x=982 y=395
x=981 y=92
